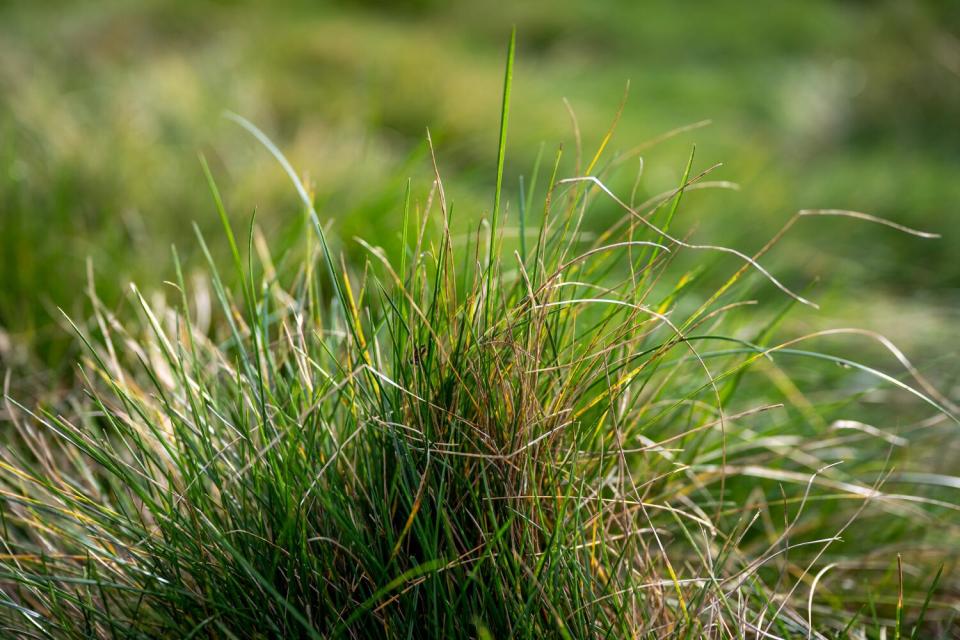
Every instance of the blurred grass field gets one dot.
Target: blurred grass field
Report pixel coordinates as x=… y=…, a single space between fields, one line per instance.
x=110 y=114
x=104 y=107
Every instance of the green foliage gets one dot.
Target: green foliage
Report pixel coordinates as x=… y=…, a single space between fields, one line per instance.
x=399 y=412
x=103 y=107
x=576 y=443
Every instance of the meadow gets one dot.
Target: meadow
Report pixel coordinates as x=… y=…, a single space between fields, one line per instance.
x=342 y=320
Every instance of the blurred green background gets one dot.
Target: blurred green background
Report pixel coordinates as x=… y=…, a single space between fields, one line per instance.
x=105 y=106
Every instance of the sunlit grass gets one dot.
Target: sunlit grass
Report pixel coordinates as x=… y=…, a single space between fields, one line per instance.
x=568 y=436
x=102 y=110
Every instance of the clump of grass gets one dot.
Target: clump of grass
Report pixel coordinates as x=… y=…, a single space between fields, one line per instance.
x=565 y=439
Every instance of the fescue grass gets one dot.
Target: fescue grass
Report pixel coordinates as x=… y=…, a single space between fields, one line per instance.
x=815 y=104
x=564 y=438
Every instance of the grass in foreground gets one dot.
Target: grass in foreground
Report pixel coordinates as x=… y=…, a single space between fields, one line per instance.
x=555 y=439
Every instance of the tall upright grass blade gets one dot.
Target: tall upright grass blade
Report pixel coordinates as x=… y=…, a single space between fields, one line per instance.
x=501 y=157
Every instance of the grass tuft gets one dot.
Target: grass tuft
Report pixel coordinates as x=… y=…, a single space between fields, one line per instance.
x=579 y=440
